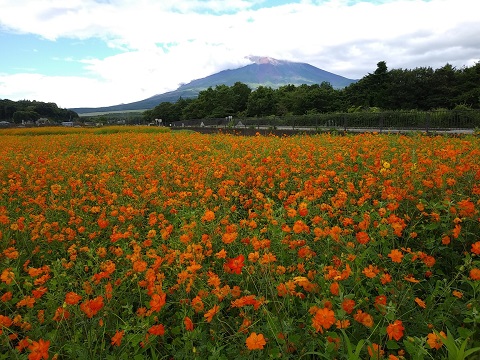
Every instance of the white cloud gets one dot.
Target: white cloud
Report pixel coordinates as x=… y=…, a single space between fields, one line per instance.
x=61 y=90
x=168 y=42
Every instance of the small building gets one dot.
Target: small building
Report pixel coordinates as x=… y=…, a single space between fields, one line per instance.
x=67 y=123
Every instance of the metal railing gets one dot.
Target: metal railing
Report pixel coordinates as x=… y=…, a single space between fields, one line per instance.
x=452 y=120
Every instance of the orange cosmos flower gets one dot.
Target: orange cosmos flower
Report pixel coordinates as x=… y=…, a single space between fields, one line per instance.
x=61 y=314
x=457 y=294
x=362 y=237
x=300 y=226
x=108 y=291
x=475 y=274
x=197 y=304
x=38 y=293
x=188 y=323
x=466 y=208
x=158 y=330
x=11 y=253
x=385 y=279
x=222 y=254
x=446 y=240
x=429 y=261
x=235 y=291
x=247 y=300
x=22 y=344
x=139 y=266
x=348 y=305
x=41 y=280
x=27 y=301
x=302 y=209
x=381 y=303
x=420 y=303
x=211 y=313
x=291 y=212
x=5 y=322
x=92 y=307
x=323 y=318
x=411 y=278
x=476 y=248
x=267 y=258
x=7 y=276
x=6 y=297
x=371 y=271
x=456 y=231
x=335 y=288
x=208 y=216
x=213 y=280
x=235 y=265
x=363 y=318
x=396 y=256
x=342 y=324
x=253 y=257
x=255 y=342
x=72 y=298
x=435 y=341
x=117 y=338
x=395 y=330
x=39 y=350
x=157 y=301
x=102 y=223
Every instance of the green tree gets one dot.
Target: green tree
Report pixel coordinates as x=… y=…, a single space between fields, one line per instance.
x=224 y=101
x=469 y=86
x=241 y=92
x=49 y=110
x=20 y=116
x=261 y=102
x=443 y=86
x=285 y=99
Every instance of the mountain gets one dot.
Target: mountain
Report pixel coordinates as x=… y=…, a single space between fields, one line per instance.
x=264 y=71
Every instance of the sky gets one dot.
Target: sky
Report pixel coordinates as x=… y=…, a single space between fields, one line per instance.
x=92 y=53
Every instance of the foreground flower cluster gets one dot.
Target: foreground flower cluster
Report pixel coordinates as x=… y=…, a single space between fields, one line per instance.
x=185 y=245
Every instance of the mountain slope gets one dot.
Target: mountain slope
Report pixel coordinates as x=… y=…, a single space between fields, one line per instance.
x=264 y=71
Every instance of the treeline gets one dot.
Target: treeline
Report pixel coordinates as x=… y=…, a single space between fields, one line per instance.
x=398 y=89
x=26 y=110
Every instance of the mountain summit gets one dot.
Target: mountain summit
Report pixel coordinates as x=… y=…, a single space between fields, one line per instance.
x=264 y=60
x=264 y=71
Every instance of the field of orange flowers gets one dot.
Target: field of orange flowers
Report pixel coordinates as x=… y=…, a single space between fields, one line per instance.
x=181 y=246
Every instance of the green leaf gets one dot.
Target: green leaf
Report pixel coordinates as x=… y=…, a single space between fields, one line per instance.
x=471 y=351
x=392 y=345
x=390 y=316
x=464 y=333
x=413 y=350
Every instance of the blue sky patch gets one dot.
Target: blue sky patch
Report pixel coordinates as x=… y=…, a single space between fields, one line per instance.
x=32 y=54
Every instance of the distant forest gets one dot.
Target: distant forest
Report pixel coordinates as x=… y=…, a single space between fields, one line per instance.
x=398 y=89
x=26 y=110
